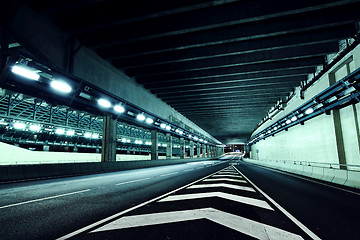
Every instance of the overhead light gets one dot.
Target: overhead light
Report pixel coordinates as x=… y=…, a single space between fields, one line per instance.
x=104 y=103
x=349 y=90
x=163 y=125
x=309 y=111
x=196 y=138
x=87 y=135
x=177 y=130
x=61 y=86
x=123 y=140
x=201 y=140
x=262 y=135
x=25 y=72
x=149 y=121
x=128 y=140
x=19 y=125
x=70 y=132
x=164 y=145
x=205 y=141
x=60 y=131
x=119 y=109
x=141 y=117
x=334 y=98
x=275 y=128
x=190 y=136
x=168 y=127
x=294 y=118
x=95 y=136
x=269 y=131
x=85 y=95
x=288 y=121
x=181 y=132
x=35 y=128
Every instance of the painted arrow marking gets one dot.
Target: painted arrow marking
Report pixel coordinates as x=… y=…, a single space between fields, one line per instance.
x=237 y=223
x=240 y=199
x=224 y=179
x=222 y=185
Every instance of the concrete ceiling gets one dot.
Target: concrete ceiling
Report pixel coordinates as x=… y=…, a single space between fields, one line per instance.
x=223 y=64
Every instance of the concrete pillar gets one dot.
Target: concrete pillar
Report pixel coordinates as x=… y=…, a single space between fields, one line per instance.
x=75 y=149
x=213 y=151
x=182 y=148
x=203 y=150
x=168 y=146
x=46 y=148
x=340 y=147
x=191 y=149
x=208 y=151
x=198 y=149
x=108 y=152
x=154 y=145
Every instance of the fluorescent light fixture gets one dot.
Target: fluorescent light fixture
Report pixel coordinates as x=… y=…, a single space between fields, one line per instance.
x=294 y=118
x=35 y=128
x=163 y=125
x=205 y=141
x=141 y=117
x=177 y=130
x=261 y=135
x=85 y=95
x=87 y=135
x=149 y=121
x=19 y=125
x=123 y=140
x=25 y=72
x=104 y=103
x=190 y=136
x=95 y=136
x=61 y=86
x=201 y=140
x=196 y=138
x=181 y=132
x=269 y=131
x=309 y=111
x=349 y=90
x=168 y=127
x=60 y=131
x=334 y=98
x=70 y=132
x=275 y=128
x=119 y=109
x=128 y=140
x=164 y=145
x=288 y=121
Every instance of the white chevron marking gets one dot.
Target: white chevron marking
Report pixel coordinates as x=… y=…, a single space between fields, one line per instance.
x=222 y=185
x=240 y=199
x=227 y=175
x=224 y=179
x=237 y=223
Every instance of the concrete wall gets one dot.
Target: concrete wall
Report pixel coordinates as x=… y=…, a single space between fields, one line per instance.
x=330 y=138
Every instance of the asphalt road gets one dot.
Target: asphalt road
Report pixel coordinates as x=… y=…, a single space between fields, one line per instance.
x=48 y=209
x=205 y=200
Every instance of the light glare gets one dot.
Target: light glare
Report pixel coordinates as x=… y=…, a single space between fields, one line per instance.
x=61 y=86
x=104 y=103
x=119 y=109
x=25 y=72
x=140 y=117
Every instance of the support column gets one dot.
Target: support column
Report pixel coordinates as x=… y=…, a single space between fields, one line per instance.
x=208 y=151
x=213 y=151
x=182 y=148
x=338 y=129
x=198 y=149
x=154 y=145
x=168 y=146
x=203 y=150
x=191 y=149
x=108 y=152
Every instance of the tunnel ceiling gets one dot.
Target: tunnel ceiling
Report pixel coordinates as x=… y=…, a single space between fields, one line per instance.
x=223 y=64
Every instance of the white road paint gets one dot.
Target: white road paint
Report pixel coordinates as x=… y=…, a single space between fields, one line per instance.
x=228 y=175
x=240 y=224
x=187 y=170
x=138 y=180
x=240 y=199
x=86 y=228
x=291 y=217
x=42 y=199
x=168 y=174
x=225 y=185
x=224 y=179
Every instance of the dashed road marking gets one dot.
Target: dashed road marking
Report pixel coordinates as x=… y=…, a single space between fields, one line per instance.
x=138 y=180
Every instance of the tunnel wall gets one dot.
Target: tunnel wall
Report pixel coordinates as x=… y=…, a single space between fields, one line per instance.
x=330 y=138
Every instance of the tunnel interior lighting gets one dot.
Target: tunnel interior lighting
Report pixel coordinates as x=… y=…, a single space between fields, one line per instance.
x=104 y=103
x=149 y=121
x=61 y=86
x=19 y=125
x=168 y=127
x=147 y=143
x=205 y=141
x=269 y=131
x=164 y=145
x=190 y=136
x=309 y=111
x=35 y=128
x=70 y=132
x=163 y=125
x=60 y=131
x=196 y=138
x=119 y=109
x=25 y=72
x=181 y=132
x=95 y=136
x=140 y=117
x=349 y=90
x=294 y=118
x=87 y=135
x=275 y=128
x=177 y=130
x=288 y=121
x=123 y=140
x=128 y=140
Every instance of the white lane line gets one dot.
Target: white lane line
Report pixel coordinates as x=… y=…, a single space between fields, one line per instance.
x=214 y=185
x=42 y=199
x=247 y=226
x=235 y=198
x=291 y=217
x=188 y=170
x=84 y=229
x=138 y=180
x=168 y=174
x=224 y=179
